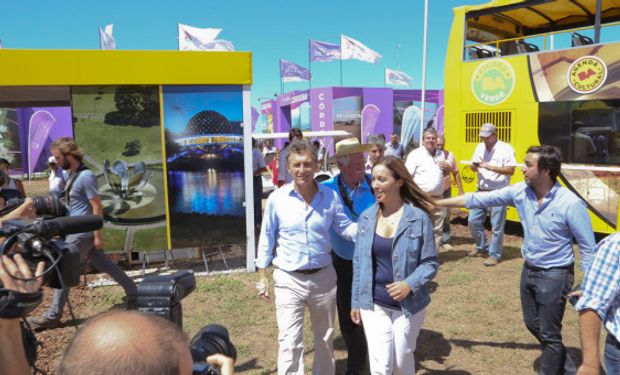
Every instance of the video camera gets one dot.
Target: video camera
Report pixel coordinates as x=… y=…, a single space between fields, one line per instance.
x=45 y=205
x=34 y=239
x=161 y=295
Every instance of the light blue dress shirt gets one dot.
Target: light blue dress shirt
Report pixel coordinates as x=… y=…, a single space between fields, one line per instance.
x=300 y=233
x=362 y=197
x=549 y=228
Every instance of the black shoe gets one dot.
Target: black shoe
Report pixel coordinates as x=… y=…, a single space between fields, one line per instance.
x=43 y=322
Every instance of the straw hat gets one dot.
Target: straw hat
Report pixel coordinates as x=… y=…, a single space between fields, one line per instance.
x=350 y=146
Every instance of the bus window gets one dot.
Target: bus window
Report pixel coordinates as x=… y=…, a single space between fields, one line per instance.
x=587 y=133
x=584 y=130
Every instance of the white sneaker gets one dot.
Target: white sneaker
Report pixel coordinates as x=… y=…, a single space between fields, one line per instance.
x=447 y=247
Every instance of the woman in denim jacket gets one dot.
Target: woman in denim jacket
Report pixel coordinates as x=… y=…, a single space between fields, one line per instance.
x=395 y=257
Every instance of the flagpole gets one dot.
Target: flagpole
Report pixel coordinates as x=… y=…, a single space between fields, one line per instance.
x=281 y=81
x=309 y=65
x=340 y=60
x=422 y=125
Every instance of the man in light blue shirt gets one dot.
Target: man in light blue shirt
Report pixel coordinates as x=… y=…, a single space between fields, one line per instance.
x=394 y=148
x=551 y=216
x=296 y=223
x=352 y=185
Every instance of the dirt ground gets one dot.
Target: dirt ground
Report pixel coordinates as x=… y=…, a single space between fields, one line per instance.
x=473 y=325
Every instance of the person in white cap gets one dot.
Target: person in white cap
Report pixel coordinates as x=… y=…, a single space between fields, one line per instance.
x=56 y=178
x=353 y=188
x=495 y=163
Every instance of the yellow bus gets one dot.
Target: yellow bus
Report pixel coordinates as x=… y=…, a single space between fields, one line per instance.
x=538 y=70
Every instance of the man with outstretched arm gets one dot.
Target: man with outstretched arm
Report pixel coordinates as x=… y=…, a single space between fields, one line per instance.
x=551 y=216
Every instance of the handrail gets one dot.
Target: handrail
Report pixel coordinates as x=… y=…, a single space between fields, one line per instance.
x=544 y=35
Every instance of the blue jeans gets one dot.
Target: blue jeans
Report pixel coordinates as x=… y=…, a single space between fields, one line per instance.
x=612 y=355
x=258 y=200
x=445 y=232
x=476 y=219
x=543 y=300
x=102 y=263
x=353 y=334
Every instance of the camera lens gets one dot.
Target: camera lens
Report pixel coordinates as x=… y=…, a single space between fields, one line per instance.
x=212 y=339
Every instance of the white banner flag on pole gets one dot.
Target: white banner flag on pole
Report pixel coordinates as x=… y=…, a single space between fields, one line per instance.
x=106 y=40
x=356 y=50
x=394 y=77
x=196 y=39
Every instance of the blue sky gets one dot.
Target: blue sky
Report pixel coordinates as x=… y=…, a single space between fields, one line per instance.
x=270 y=29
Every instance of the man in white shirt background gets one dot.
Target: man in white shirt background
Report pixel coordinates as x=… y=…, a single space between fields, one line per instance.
x=56 y=178
x=495 y=163
x=427 y=166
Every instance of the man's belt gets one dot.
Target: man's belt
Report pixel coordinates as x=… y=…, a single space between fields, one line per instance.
x=309 y=271
x=536 y=268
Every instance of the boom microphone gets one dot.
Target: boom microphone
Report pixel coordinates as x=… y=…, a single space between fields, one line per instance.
x=61 y=226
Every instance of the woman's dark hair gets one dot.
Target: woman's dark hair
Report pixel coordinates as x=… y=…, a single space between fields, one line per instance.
x=409 y=191
x=294 y=133
x=549 y=158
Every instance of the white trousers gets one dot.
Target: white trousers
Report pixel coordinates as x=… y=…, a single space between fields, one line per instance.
x=293 y=293
x=391 y=338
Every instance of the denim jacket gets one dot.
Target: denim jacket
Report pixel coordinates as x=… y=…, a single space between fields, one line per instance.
x=414 y=258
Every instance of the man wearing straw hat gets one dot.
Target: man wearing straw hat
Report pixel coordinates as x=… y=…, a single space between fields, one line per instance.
x=353 y=187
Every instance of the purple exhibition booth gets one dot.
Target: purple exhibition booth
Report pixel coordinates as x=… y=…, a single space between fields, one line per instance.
x=358 y=110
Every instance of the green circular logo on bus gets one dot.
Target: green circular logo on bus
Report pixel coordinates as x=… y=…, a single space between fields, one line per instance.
x=493 y=82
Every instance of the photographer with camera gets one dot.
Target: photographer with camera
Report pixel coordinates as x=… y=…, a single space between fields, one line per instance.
x=81 y=196
x=12 y=352
x=115 y=342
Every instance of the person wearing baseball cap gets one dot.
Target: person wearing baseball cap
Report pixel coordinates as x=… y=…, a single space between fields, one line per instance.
x=495 y=163
x=353 y=188
x=56 y=178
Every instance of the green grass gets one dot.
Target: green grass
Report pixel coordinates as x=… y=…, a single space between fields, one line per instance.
x=114 y=239
x=473 y=325
x=102 y=141
x=150 y=239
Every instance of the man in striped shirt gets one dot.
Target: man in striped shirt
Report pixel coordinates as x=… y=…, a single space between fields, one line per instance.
x=600 y=302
